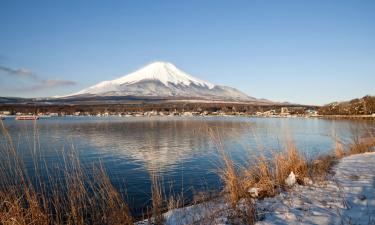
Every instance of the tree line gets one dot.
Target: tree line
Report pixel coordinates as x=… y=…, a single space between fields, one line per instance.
x=357 y=106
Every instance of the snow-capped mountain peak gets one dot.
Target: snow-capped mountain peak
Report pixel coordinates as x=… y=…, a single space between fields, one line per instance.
x=163 y=79
x=165 y=72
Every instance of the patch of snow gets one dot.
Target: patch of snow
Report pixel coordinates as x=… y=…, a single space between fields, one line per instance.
x=212 y=212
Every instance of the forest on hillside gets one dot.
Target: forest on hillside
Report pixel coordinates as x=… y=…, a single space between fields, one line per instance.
x=358 y=106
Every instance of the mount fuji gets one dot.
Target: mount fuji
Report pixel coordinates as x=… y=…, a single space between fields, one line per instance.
x=164 y=80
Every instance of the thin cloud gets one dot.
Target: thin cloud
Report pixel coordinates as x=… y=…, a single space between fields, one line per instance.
x=39 y=82
x=22 y=73
x=45 y=84
x=59 y=83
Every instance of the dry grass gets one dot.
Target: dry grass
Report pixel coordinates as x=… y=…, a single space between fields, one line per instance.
x=157 y=200
x=320 y=167
x=78 y=197
x=361 y=143
x=290 y=161
x=268 y=175
x=248 y=212
x=260 y=175
x=175 y=202
x=339 y=149
x=242 y=210
x=231 y=182
x=228 y=173
x=242 y=207
x=362 y=146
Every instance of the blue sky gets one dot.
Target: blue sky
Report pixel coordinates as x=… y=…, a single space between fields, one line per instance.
x=310 y=52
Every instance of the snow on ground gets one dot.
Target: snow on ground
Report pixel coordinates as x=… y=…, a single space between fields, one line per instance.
x=212 y=212
x=348 y=197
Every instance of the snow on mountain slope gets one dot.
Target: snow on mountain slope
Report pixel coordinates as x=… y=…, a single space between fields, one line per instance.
x=166 y=73
x=163 y=79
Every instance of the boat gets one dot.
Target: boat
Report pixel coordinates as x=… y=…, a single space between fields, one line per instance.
x=27 y=117
x=2 y=118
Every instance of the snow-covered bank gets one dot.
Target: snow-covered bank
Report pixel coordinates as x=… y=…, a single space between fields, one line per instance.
x=348 y=197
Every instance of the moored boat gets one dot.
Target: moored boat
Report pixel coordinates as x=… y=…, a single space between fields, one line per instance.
x=27 y=117
x=2 y=118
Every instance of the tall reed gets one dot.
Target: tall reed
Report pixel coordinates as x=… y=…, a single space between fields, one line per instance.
x=157 y=199
x=63 y=193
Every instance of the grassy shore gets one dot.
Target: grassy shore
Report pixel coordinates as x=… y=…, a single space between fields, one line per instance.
x=82 y=196
x=268 y=177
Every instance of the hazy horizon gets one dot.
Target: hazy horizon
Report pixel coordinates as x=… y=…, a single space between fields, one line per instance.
x=301 y=52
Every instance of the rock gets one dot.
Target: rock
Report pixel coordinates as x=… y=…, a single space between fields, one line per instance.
x=291 y=180
x=354 y=177
x=307 y=181
x=253 y=192
x=361 y=197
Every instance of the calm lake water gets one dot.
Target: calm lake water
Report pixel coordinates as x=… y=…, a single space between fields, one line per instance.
x=184 y=151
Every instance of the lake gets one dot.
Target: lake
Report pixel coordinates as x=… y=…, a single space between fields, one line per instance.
x=185 y=151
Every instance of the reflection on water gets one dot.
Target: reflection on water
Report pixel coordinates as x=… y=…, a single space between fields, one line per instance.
x=158 y=145
x=182 y=150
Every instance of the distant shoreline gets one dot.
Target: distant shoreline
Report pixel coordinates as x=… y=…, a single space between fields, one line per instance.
x=188 y=114
x=357 y=117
